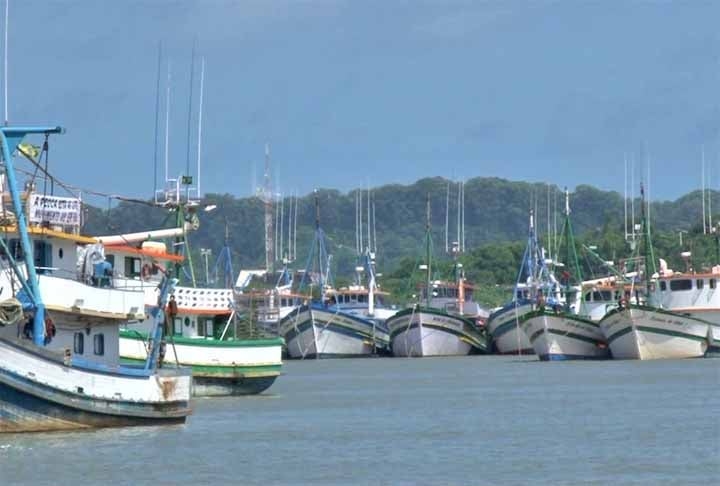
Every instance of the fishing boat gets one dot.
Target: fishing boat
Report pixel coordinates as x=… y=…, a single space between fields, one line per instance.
x=317 y=328
x=666 y=325
x=555 y=327
x=59 y=360
x=504 y=323
x=202 y=330
x=429 y=330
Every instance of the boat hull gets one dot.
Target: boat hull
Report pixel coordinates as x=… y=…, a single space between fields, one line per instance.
x=39 y=393
x=504 y=327
x=641 y=332
x=419 y=332
x=219 y=368
x=557 y=337
x=314 y=332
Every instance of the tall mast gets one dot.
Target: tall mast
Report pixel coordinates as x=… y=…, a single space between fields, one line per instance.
x=702 y=177
x=167 y=124
x=427 y=252
x=447 y=218
x=189 y=121
x=157 y=117
x=625 y=201
x=648 y=255
x=200 y=119
x=5 y=71
x=267 y=199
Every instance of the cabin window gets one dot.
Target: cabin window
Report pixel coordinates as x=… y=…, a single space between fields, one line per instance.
x=110 y=259
x=79 y=343
x=362 y=299
x=187 y=322
x=60 y=253
x=606 y=295
x=132 y=267
x=712 y=283
x=676 y=285
x=177 y=326
x=699 y=283
x=597 y=296
x=663 y=285
x=99 y=344
x=42 y=252
x=587 y=296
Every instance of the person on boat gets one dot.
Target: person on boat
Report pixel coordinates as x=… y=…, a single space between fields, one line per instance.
x=50 y=330
x=541 y=300
x=28 y=327
x=170 y=313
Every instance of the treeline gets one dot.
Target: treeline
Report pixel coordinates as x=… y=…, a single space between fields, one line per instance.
x=496 y=215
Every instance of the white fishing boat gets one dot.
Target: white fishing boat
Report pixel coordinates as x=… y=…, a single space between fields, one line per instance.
x=440 y=329
x=555 y=327
x=59 y=359
x=504 y=323
x=201 y=331
x=664 y=327
x=317 y=328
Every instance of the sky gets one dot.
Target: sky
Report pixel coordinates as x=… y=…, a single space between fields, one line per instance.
x=359 y=94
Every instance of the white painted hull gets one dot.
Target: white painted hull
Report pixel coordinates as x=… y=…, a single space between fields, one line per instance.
x=563 y=337
x=38 y=392
x=647 y=333
x=314 y=333
x=419 y=334
x=508 y=336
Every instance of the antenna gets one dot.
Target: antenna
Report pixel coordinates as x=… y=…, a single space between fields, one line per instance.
x=360 y=220
x=157 y=116
x=200 y=117
x=7 y=28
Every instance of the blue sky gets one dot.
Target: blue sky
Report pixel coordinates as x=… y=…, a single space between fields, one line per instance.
x=356 y=93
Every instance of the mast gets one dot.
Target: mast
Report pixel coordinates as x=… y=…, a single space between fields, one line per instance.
x=447 y=217
x=167 y=124
x=427 y=252
x=157 y=117
x=200 y=119
x=5 y=71
x=267 y=200
x=702 y=171
x=648 y=255
x=189 y=122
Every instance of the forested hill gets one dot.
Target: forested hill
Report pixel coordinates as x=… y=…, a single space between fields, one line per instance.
x=496 y=211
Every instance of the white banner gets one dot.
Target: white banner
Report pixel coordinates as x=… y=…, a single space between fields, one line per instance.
x=54 y=210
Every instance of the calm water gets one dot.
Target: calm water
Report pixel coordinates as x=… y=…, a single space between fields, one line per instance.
x=471 y=420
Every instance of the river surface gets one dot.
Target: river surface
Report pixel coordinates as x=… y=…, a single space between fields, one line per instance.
x=457 y=421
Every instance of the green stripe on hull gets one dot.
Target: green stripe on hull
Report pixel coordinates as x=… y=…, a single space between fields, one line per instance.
x=223 y=371
x=205 y=342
